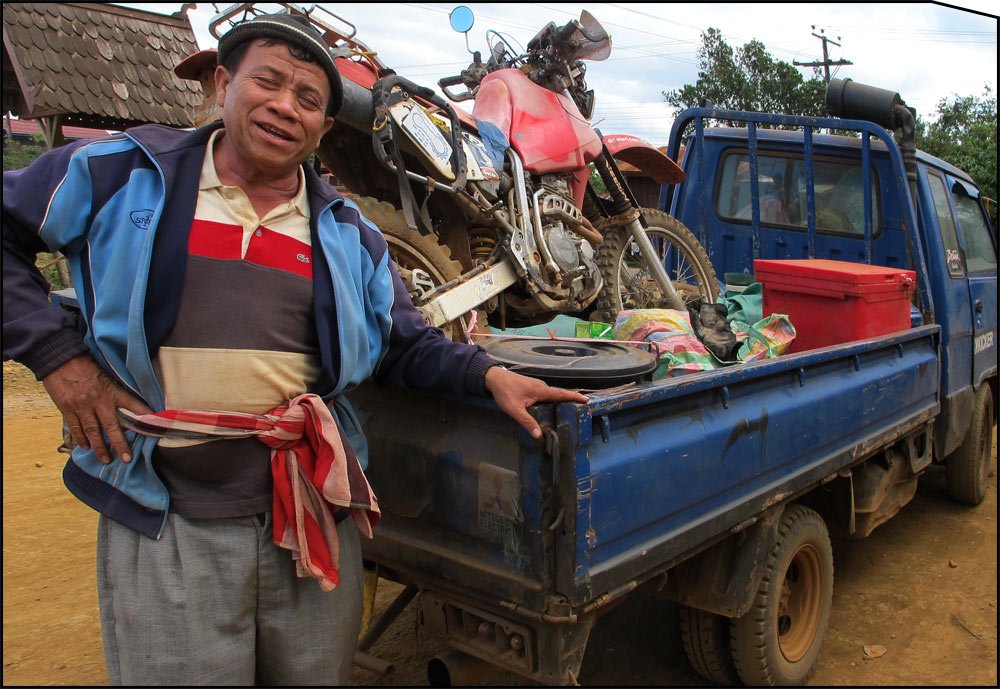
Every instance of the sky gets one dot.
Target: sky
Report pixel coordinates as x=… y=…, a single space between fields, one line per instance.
x=923 y=51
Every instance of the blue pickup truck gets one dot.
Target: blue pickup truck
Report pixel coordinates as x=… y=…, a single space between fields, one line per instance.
x=719 y=489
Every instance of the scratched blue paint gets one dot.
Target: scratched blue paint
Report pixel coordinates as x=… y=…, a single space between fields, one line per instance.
x=677 y=458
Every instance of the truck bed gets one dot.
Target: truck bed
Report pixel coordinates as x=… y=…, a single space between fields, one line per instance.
x=636 y=481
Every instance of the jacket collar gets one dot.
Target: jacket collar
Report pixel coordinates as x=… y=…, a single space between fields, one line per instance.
x=161 y=141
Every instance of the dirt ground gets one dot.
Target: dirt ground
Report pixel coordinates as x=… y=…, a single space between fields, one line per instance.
x=923 y=586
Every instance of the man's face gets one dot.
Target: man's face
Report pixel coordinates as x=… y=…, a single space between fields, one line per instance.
x=274 y=109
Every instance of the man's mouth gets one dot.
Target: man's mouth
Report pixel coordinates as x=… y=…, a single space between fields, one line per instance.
x=277 y=133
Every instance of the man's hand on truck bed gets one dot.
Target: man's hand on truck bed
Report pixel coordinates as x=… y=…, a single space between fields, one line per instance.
x=514 y=393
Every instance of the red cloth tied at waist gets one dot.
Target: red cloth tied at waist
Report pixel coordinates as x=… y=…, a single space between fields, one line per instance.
x=315 y=472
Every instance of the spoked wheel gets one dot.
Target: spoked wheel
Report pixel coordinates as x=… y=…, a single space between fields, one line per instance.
x=968 y=467
x=422 y=262
x=628 y=283
x=778 y=640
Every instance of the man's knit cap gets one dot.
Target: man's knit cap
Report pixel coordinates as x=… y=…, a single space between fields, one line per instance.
x=293 y=29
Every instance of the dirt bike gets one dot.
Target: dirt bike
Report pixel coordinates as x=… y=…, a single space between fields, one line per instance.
x=493 y=217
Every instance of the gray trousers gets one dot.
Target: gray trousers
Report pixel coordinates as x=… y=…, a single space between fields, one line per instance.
x=214 y=601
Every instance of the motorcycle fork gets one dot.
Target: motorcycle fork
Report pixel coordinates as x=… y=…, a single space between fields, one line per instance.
x=624 y=204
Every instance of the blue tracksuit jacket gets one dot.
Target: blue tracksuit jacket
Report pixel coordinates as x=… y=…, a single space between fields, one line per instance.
x=121 y=210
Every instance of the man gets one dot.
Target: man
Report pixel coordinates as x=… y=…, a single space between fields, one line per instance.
x=215 y=271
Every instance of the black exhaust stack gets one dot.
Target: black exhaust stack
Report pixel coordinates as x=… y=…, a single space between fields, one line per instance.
x=850 y=100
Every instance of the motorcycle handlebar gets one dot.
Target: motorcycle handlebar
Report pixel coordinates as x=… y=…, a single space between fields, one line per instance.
x=447 y=82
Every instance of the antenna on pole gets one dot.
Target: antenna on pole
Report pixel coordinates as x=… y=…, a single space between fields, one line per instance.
x=827 y=62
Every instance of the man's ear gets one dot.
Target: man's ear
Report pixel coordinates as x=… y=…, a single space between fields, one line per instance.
x=326 y=126
x=222 y=80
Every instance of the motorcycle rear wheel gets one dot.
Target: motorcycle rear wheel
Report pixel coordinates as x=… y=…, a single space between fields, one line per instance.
x=410 y=250
x=628 y=284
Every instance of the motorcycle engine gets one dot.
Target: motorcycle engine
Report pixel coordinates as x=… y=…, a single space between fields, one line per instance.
x=568 y=278
x=566 y=248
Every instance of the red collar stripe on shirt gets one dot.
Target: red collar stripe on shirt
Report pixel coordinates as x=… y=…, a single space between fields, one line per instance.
x=267 y=247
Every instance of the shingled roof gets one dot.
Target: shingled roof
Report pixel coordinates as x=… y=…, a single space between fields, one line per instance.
x=97 y=65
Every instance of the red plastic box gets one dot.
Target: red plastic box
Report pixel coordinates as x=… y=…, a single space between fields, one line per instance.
x=831 y=302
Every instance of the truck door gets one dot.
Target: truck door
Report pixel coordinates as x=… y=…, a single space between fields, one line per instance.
x=980 y=254
x=952 y=299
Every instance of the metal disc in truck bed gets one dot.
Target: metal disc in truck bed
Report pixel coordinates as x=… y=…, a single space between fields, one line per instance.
x=593 y=364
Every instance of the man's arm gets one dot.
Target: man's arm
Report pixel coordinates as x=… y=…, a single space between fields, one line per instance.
x=422 y=357
x=36 y=333
x=39 y=334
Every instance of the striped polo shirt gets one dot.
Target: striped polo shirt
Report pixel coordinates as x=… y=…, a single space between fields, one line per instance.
x=244 y=340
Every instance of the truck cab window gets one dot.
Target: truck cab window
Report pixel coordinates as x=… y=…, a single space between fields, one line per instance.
x=782 y=184
x=733 y=198
x=980 y=254
x=946 y=224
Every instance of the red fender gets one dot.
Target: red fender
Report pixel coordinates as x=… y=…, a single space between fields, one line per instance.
x=646 y=157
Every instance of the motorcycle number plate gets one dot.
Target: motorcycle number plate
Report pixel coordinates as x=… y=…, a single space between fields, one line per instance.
x=425 y=134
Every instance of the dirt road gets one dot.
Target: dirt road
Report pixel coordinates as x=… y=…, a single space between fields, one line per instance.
x=924 y=586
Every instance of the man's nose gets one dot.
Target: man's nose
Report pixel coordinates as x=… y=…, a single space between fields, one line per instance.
x=285 y=103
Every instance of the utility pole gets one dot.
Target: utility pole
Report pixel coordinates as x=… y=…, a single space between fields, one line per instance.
x=826 y=63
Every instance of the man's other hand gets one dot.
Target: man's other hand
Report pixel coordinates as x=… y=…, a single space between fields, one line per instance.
x=88 y=398
x=514 y=393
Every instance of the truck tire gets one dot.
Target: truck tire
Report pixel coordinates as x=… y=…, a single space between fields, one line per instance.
x=706 y=644
x=969 y=466
x=777 y=641
x=627 y=283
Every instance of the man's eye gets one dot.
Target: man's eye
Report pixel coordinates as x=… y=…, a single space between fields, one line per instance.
x=269 y=83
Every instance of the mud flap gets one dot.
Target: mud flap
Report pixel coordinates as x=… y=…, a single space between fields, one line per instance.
x=724 y=579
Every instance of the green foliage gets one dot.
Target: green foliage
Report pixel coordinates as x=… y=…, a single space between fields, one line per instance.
x=17 y=154
x=748 y=78
x=596 y=182
x=965 y=134
x=53 y=268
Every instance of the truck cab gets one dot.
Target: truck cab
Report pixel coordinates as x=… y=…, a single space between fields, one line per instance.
x=850 y=196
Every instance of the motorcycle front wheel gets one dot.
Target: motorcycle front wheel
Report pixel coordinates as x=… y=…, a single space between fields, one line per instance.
x=628 y=283
x=420 y=260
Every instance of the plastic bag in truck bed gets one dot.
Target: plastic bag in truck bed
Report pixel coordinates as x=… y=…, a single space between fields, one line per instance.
x=679 y=349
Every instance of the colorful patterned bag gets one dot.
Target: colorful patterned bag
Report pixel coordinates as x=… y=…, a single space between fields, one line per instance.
x=679 y=349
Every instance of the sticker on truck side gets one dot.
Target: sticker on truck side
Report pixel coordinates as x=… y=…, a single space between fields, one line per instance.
x=984 y=342
x=499 y=508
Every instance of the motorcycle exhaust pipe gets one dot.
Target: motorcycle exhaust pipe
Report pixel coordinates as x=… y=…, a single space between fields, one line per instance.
x=356 y=109
x=456 y=669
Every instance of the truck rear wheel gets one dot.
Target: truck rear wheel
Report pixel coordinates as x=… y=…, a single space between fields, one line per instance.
x=706 y=643
x=777 y=641
x=969 y=466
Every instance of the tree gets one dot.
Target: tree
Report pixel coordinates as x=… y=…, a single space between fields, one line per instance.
x=965 y=134
x=17 y=154
x=748 y=78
